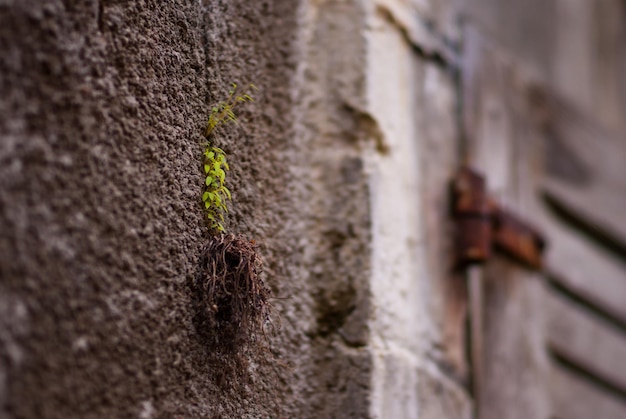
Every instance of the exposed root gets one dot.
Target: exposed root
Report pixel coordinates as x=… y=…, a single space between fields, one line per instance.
x=232 y=304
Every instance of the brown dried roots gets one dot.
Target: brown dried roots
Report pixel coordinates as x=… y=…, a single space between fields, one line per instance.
x=231 y=299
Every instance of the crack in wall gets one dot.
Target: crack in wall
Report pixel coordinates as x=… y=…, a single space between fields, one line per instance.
x=427 y=44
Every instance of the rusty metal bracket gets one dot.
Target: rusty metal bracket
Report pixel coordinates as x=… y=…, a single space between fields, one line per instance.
x=473 y=214
x=483 y=226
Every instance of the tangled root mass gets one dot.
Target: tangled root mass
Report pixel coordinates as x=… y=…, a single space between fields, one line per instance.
x=231 y=299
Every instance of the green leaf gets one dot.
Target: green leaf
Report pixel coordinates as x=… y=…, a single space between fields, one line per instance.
x=221 y=174
x=215 y=165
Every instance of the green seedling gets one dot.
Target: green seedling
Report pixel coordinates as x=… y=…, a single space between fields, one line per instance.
x=215 y=165
x=224 y=112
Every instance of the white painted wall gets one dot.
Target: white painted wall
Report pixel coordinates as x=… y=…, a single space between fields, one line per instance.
x=373 y=67
x=403 y=325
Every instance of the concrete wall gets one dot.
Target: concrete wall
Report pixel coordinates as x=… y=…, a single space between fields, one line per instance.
x=103 y=105
x=379 y=114
x=339 y=172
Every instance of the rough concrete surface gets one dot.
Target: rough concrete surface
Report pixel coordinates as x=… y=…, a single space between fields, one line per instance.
x=102 y=110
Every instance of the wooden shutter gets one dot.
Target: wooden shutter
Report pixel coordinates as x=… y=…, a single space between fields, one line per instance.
x=553 y=343
x=582 y=202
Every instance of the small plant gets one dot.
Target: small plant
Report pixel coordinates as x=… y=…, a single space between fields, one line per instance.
x=231 y=302
x=215 y=166
x=215 y=192
x=224 y=111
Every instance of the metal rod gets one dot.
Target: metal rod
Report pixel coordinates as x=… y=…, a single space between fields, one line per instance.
x=475 y=278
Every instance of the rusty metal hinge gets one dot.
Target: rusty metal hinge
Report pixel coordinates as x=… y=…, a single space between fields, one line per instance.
x=483 y=225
